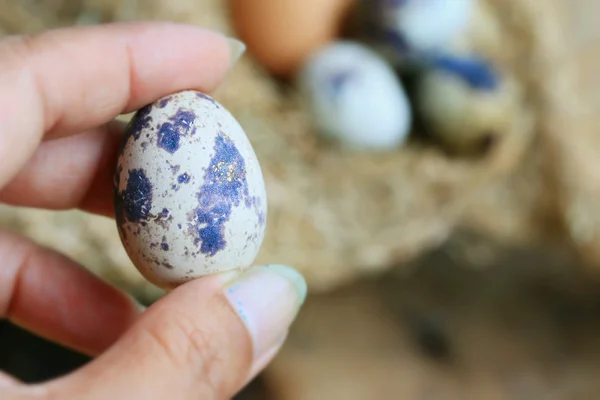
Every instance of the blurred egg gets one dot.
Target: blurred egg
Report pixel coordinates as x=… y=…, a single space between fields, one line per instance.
x=190 y=198
x=281 y=34
x=465 y=103
x=355 y=98
x=404 y=31
x=426 y=24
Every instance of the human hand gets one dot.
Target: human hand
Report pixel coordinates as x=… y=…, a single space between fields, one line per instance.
x=59 y=92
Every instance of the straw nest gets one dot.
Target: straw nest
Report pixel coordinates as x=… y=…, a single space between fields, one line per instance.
x=337 y=215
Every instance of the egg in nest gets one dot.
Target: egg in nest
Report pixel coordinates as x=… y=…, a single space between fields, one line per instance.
x=466 y=103
x=406 y=32
x=355 y=98
x=190 y=197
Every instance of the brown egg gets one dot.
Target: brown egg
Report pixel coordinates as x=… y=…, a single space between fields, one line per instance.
x=281 y=34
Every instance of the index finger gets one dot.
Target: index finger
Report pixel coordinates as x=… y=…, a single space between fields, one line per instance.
x=68 y=80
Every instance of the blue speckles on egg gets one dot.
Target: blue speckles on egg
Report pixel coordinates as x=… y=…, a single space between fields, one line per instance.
x=226 y=173
x=189 y=197
x=210 y=236
x=140 y=121
x=169 y=133
x=255 y=203
x=184 y=119
x=390 y=5
x=163 y=102
x=477 y=72
x=174 y=168
x=338 y=80
x=224 y=187
x=262 y=219
x=168 y=137
x=207 y=98
x=396 y=39
x=136 y=199
x=183 y=178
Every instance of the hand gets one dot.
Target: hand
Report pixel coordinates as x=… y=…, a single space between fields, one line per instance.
x=59 y=92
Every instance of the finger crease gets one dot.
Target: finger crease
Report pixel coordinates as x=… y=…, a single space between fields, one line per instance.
x=131 y=72
x=15 y=288
x=43 y=101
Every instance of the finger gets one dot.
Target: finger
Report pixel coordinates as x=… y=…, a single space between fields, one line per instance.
x=7 y=381
x=194 y=343
x=70 y=80
x=70 y=172
x=48 y=294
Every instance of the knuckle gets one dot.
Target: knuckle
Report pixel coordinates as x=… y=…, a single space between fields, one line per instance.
x=19 y=48
x=19 y=53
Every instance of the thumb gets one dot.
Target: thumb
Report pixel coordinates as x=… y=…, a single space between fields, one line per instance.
x=205 y=339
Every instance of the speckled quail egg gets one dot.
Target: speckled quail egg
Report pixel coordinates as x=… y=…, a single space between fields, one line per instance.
x=465 y=103
x=355 y=98
x=426 y=24
x=190 y=198
x=404 y=31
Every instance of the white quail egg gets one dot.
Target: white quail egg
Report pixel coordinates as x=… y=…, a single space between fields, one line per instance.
x=355 y=98
x=426 y=25
x=406 y=31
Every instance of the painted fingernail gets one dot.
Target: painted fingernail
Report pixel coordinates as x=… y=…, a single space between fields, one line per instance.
x=237 y=49
x=265 y=359
x=7 y=381
x=139 y=306
x=267 y=300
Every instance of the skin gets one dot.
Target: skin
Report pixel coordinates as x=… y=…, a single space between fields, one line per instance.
x=59 y=92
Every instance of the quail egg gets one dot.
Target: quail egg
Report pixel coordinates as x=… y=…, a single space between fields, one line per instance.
x=355 y=98
x=189 y=195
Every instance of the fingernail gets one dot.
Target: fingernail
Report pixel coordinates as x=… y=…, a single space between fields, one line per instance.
x=261 y=363
x=267 y=300
x=140 y=307
x=237 y=49
x=7 y=381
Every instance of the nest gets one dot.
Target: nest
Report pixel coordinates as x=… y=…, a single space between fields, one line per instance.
x=337 y=215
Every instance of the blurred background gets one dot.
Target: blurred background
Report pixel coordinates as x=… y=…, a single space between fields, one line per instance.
x=431 y=167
